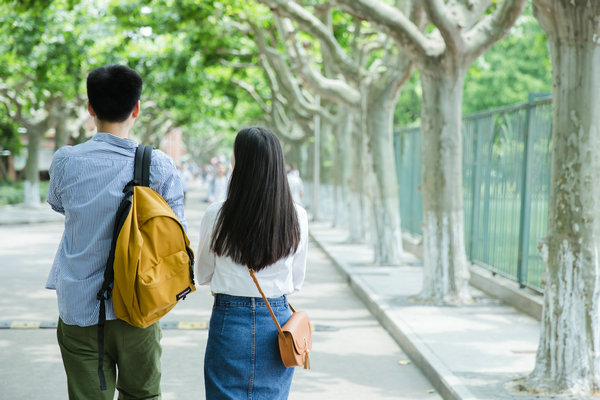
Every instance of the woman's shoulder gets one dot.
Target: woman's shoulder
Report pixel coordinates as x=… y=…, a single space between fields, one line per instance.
x=209 y=217
x=213 y=209
x=302 y=215
x=301 y=211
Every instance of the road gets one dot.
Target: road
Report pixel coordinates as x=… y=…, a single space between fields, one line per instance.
x=353 y=356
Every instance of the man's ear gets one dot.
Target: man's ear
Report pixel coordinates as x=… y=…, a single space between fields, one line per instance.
x=136 y=110
x=90 y=109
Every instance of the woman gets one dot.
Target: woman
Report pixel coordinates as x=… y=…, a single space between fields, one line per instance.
x=258 y=227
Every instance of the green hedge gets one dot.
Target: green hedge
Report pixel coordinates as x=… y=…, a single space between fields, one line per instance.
x=14 y=193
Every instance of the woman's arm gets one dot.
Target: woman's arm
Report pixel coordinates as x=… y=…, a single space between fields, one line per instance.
x=299 y=263
x=205 y=258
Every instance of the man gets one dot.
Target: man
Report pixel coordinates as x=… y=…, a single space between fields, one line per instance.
x=86 y=185
x=185 y=176
x=219 y=184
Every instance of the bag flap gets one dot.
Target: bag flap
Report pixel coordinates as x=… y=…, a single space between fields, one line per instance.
x=298 y=327
x=154 y=205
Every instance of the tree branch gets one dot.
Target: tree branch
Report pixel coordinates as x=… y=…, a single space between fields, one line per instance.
x=439 y=15
x=284 y=125
x=333 y=89
x=233 y=65
x=7 y=106
x=395 y=24
x=18 y=115
x=492 y=27
x=287 y=84
x=316 y=28
x=546 y=5
x=272 y=80
x=253 y=93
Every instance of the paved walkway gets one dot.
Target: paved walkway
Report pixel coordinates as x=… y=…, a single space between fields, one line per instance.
x=467 y=352
x=353 y=355
x=475 y=351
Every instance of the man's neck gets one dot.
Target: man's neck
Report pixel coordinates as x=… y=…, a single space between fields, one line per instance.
x=114 y=128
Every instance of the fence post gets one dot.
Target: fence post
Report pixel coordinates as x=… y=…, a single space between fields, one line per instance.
x=525 y=217
x=485 y=234
x=475 y=206
x=397 y=158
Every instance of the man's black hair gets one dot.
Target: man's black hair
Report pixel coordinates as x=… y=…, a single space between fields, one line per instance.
x=113 y=91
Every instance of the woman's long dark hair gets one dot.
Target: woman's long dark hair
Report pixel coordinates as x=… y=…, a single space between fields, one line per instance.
x=258 y=223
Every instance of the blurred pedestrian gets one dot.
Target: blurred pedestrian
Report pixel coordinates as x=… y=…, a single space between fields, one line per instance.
x=217 y=190
x=185 y=176
x=296 y=184
x=258 y=226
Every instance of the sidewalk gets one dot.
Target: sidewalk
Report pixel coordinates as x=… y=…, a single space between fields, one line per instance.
x=353 y=355
x=24 y=214
x=467 y=352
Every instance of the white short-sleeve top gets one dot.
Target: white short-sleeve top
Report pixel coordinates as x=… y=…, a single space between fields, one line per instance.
x=225 y=276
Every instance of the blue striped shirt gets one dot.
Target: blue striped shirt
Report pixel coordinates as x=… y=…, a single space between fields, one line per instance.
x=86 y=186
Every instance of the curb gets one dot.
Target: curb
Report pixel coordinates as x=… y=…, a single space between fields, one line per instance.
x=170 y=325
x=446 y=383
x=21 y=214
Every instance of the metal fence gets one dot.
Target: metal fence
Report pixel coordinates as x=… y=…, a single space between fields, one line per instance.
x=506 y=187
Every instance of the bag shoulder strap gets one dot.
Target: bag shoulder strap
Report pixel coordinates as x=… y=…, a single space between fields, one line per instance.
x=141 y=169
x=141 y=176
x=265 y=299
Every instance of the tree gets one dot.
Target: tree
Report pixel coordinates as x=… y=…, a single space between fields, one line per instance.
x=515 y=66
x=42 y=50
x=568 y=357
x=377 y=79
x=461 y=32
x=333 y=116
x=9 y=142
x=188 y=52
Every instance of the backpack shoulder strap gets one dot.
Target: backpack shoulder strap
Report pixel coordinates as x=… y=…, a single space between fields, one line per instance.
x=141 y=176
x=141 y=169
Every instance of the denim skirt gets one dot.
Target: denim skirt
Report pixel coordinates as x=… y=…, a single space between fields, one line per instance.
x=242 y=359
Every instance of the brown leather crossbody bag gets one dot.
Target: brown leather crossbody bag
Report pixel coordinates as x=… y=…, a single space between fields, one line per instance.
x=295 y=337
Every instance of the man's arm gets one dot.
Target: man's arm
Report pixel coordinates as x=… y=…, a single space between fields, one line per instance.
x=169 y=186
x=56 y=172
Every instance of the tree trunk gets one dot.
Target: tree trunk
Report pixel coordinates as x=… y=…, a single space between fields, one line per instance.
x=32 y=177
x=342 y=166
x=346 y=162
x=445 y=273
x=568 y=357
x=379 y=114
x=293 y=153
x=62 y=133
x=356 y=221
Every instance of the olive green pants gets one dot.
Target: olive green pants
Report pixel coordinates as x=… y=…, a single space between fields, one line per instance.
x=131 y=360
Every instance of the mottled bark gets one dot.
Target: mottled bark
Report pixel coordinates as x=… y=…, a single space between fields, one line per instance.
x=61 y=126
x=379 y=112
x=32 y=177
x=568 y=357
x=446 y=273
x=372 y=89
x=341 y=168
x=356 y=220
x=464 y=31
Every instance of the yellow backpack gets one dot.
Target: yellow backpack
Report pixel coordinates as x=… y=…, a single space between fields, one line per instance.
x=150 y=263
